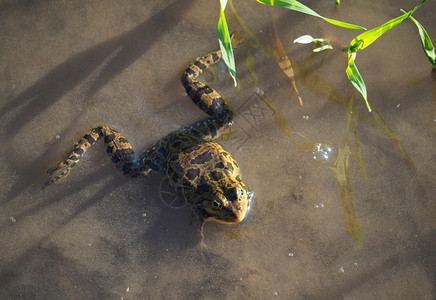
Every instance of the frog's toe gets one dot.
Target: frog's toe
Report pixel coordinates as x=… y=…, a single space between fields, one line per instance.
x=56 y=174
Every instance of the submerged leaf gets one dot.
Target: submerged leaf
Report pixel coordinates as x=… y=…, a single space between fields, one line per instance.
x=225 y=43
x=343 y=180
x=394 y=139
x=284 y=126
x=252 y=40
x=297 y=6
x=249 y=65
x=283 y=61
x=358 y=149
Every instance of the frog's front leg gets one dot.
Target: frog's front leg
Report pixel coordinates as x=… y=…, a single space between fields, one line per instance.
x=118 y=149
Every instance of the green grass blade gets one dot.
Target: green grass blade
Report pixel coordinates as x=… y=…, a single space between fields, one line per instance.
x=224 y=41
x=426 y=43
x=367 y=38
x=355 y=78
x=297 y=6
x=343 y=24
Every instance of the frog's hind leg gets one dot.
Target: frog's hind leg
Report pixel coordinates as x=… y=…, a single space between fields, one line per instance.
x=117 y=147
x=205 y=97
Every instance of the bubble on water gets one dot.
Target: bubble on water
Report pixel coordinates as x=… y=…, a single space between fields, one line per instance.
x=258 y=91
x=12 y=219
x=325 y=153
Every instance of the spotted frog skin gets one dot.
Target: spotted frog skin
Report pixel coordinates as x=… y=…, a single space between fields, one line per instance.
x=199 y=170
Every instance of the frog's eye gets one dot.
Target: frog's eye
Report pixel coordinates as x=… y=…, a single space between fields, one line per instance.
x=217 y=204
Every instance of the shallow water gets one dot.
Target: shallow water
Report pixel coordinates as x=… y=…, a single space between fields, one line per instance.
x=317 y=229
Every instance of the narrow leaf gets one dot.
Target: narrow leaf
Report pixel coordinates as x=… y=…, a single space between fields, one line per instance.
x=367 y=38
x=383 y=125
x=283 y=61
x=355 y=77
x=343 y=180
x=297 y=6
x=427 y=45
x=284 y=126
x=224 y=41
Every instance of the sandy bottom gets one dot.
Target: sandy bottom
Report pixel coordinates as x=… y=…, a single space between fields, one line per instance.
x=357 y=222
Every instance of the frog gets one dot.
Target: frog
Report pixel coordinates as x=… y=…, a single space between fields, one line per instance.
x=199 y=169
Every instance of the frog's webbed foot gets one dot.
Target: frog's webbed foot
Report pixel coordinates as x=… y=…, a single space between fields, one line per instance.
x=57 y=174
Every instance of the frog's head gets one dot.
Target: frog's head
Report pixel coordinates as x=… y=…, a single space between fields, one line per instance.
x=225 y=204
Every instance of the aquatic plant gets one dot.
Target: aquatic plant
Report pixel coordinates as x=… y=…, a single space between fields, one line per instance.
x=425 y=42
x=367 y=38
x=307 y=76
x=224 y=36
x=357 y=44
x=224 y=41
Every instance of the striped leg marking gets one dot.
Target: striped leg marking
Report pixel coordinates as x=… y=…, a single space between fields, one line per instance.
x=118 y=149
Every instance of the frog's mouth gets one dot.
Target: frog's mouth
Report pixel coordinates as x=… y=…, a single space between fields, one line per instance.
x=237 y=217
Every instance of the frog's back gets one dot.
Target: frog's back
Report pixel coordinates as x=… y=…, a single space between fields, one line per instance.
x=190 y=161
x=206 y=175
